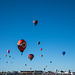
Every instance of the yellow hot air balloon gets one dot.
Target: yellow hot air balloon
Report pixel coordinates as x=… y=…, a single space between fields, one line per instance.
x=5 y=55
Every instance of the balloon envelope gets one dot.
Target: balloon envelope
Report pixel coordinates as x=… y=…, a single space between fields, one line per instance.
x=41 y=49
x=63 y=52
x=38 y=42
x=9 y=56
x=44 y=68
x=25 y=64
x=35 y=22
x=5 y=55
x=41 y=55
x=11 y=62
x=30 y=56
x=22 y=45
x=50 y=61
x=7 y=62
x=8 y=51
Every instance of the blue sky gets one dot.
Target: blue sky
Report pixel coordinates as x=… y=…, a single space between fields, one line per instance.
x=55 y=31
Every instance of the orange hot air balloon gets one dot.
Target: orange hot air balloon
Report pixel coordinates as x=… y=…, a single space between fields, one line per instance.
x=41 y=49
x=5 y=55
x=30 y=56
x=22 y=45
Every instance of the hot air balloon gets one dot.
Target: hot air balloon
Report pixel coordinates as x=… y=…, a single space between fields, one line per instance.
x=8 y=51
x=22 y=45
x=7 y=62
x=56 y=70
x=11 y=62
x=41 y=55
x=50 y=61
x=9 y=56
x=30 y=68
x=38 y=42
x=13 y=57
x=63 y=52
x=44 y=68
x=25 y=64
x=69 y=71
x=35 y=22
x=30 y=56
x=5 y=55
x=46 y=65
x=41 y=49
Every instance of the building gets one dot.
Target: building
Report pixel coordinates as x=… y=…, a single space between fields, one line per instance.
x=26 y=72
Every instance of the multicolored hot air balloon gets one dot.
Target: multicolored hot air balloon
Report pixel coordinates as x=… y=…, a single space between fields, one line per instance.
x=8 y=51
x=30 y=56
x=22 y=45
x=41 y=49
x=63 y=52
x=35 y=22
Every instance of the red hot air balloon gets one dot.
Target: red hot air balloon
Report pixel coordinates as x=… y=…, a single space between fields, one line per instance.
x=30 y=68
x=30 y=56
x=41 y=49
x=8 y=51
x=35 y=22
x=22 y=45
x=69 y=71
